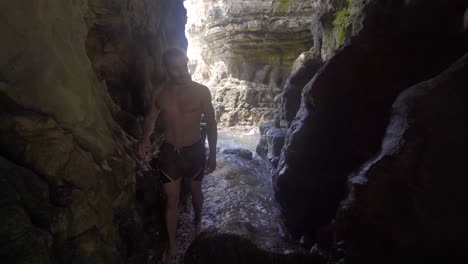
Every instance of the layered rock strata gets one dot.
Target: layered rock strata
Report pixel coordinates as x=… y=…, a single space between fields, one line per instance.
x=255 y=42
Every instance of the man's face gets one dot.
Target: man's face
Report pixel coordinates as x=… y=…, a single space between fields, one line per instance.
x=178 y=70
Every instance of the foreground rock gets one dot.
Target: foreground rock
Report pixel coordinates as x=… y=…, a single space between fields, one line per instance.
x=408 y=199
x=26 y=215
x=67 y=70
x=345 y=108
x=216 y=247
x=241 y=152
x=271 y=142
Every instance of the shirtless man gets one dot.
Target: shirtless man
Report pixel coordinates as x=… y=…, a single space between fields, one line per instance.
x=181 y=103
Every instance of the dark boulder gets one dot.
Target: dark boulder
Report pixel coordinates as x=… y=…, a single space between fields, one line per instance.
x=345 y=109
x=271 y=142
x=409 y=199
x=26 y=215
x=241 y=152
x=291 y=96
x=215 y=247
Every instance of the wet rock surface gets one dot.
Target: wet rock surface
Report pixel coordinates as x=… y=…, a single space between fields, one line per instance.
x=214 y=246
x=239 y=205
x=240 y=152
x=271 y=142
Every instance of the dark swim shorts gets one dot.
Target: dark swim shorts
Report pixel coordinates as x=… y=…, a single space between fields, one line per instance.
x=176 y=162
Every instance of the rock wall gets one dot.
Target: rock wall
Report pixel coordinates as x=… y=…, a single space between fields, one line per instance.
x=255 y=42
x=345 y=107
x=406 y=200
x=125 y=41
x=68 y=174
x=332 y=22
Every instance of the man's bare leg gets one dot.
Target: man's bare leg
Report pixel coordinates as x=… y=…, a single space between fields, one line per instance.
x=172 y=191
x=197 y=202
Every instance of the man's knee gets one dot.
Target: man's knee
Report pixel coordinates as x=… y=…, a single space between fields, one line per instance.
x=172 y=200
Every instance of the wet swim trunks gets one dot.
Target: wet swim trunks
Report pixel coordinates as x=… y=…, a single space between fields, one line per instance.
x=175 y=162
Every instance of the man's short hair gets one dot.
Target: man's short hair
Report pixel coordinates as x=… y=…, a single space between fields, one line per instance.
x=172 y=52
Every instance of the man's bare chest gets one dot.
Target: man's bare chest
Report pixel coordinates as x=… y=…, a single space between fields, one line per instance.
x=179 y=104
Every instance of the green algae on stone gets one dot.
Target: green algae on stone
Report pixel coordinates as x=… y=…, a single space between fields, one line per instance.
x=340 y=22
x=282 y=6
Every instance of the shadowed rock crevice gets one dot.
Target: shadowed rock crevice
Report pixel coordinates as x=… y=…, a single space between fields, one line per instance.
x=346 y=106
x=406 y=200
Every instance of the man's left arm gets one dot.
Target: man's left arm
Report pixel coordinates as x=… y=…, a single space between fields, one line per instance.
x=212 y=132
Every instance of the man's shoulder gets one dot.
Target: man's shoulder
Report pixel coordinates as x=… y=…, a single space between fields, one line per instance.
x=199 y=86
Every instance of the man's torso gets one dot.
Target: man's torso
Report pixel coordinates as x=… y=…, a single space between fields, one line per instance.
x=181 y=110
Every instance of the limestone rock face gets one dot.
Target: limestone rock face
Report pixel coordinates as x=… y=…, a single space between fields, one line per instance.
x=407 y=199
x=252 y=41
x=255 y=41
x=246 y=103
x=62 y=65
x=345 y=108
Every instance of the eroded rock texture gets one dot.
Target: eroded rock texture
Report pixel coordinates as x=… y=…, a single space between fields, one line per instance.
x=69 y=177
x=255 y=42
x=125 y=41
x=333 y=21
x=345 y=108
x=407 y=200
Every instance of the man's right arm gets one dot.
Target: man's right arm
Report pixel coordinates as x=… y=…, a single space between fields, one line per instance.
x=148 y=124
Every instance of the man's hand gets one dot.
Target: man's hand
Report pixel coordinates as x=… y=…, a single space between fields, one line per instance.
x=144 y=147
x=210 y=164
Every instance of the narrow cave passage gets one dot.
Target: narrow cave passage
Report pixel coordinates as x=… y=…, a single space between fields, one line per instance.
x=342 y=130
x=239 y=198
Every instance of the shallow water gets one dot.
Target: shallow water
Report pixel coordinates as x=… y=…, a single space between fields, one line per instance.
x=238 y=199
x=236 y=139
